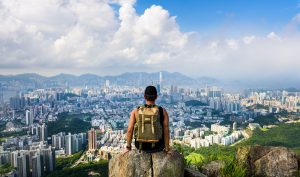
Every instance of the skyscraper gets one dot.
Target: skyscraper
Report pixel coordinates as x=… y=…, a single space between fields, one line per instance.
x=68 y=142
x=92 y=138
x=49 y=158
x=29 y=117
x=14 y=159
x=43 y=132
x=161 y=80
x=37 y=165
x=23 y=165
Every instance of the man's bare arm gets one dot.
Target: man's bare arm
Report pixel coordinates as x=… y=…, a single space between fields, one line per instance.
x=130 y=128
x=166 y=131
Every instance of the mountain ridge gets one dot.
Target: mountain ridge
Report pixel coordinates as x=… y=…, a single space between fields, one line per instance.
x=127 y=78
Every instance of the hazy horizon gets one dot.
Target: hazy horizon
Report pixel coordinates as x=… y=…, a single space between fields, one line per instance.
x=228 y=41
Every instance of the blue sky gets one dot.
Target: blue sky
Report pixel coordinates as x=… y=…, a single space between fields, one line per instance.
x=234 y=17
x=227 y=39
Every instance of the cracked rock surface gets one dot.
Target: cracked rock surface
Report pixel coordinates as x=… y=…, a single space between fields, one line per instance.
x=136 y=164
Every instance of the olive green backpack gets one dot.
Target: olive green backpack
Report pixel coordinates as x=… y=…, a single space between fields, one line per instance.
x=147 y=128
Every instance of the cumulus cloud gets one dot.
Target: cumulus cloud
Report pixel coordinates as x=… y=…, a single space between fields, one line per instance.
x=109 y=37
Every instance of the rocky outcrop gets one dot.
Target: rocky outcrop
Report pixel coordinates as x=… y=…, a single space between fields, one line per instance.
x=141 y=164
x=213 y=169
x=268 y=161
x=167 y=164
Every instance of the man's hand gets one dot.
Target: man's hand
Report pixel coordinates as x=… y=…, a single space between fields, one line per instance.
x=128 y=148
x=168 y=151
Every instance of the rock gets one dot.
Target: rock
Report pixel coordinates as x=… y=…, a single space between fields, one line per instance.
x=168 y=164
x=192 y=173
x=268 y=161
x=136 y=164
x=213 y=169
x=131 y=164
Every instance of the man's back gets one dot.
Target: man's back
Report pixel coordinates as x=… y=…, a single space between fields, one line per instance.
x=153 y=131
x=141 y=119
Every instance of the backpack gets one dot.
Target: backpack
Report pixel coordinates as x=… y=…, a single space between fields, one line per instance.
x=148 y=128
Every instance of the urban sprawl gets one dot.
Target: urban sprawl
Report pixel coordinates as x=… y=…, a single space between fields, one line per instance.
x=197 y=117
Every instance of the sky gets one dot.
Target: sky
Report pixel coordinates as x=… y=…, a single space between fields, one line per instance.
x=232 y=39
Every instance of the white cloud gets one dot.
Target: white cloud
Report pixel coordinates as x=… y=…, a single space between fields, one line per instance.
x=273 y=36
x=233 y=44
x=248 y=39
x=109 y=37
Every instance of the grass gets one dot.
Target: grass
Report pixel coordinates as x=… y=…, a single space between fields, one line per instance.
x=286 y=135
x=233 y=169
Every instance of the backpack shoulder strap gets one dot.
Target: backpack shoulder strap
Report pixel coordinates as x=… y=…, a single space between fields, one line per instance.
x=137 y=113
x=161 y=115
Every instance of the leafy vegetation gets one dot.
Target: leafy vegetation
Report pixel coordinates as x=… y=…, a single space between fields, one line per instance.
x=233 y=169
x=5 y=168
x=83 y=169
x=286 y=135
x=194 y=158
x=4 y=135
x=67 y=122
x=266 y=120
x=204 y=155
x=67 y=161
x=194 y=103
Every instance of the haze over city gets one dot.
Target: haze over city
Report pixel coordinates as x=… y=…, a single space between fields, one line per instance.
x=233 y=40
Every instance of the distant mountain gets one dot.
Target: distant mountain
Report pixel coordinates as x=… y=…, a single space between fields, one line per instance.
x=32 y=80
x=207 y=80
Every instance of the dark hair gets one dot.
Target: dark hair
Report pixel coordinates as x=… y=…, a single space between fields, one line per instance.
x=150 y=97
x=150 y=93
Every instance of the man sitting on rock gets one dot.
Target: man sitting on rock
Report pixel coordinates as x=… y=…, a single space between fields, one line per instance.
x=149 y=124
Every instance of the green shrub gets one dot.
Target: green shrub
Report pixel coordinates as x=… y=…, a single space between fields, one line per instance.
x=233 y=169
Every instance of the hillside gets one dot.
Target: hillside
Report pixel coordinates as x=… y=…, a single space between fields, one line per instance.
x=286 y=135
x=74 y=123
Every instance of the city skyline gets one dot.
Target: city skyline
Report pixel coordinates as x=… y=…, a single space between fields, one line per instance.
x=232 y=40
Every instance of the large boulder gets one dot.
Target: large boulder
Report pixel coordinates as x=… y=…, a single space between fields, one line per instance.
x=268 y=161
x=131 y=164
x=171 y=164
x=141 y=164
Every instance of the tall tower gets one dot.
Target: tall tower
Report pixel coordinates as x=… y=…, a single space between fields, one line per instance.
x=160 y=82
x=160 y=79
x=23 y=165
x=92 y=138
x=29 y=117
x=43 y=132
x=68 y=142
